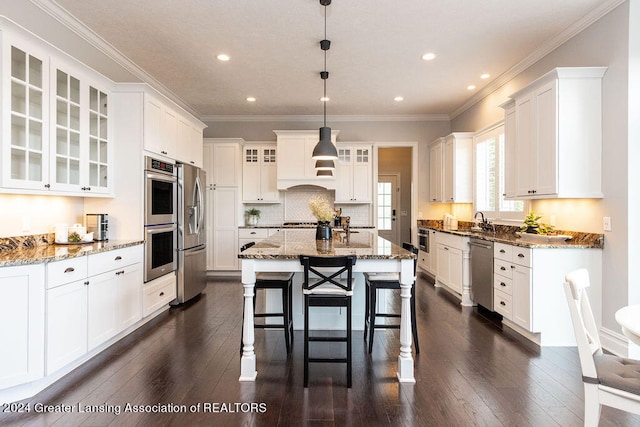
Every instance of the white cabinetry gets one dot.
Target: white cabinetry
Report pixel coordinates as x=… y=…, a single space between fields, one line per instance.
x=295 y=165
x=171 y=132
x=248 y=235
x=510 y=160
x=56 y=126
x=158 y=293
x=451 y=168
x=528 y=289
x=354 y=174
x=259 y=174
x=435 y=171
x=22 y=320
x=90 y=300
x=452 y=270
x=558 y=135
x=222 y=164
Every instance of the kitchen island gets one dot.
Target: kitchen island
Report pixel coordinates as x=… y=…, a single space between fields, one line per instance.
x=281 y=252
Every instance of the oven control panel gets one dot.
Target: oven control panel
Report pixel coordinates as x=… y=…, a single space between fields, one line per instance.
x=159 y=165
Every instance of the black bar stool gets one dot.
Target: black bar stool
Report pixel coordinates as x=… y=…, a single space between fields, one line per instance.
x=375 y=281
x=275 y=280
x=327 y=290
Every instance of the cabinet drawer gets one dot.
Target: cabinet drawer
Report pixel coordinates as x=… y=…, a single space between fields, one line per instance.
x=66 y=271
x=503 y=284
x=502 y=251
x=502 y=268
x=111 y=260
x=502 y=304
x=253 y=233
x=158 y=293
x=522 y=256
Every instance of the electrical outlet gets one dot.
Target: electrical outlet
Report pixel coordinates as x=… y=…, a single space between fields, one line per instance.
x=26 y=223
x=606 y=223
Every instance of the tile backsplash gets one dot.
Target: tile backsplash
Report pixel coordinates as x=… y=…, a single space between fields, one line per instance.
x=294 y=206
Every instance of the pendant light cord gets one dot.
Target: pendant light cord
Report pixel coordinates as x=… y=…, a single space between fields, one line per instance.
x=325 y=69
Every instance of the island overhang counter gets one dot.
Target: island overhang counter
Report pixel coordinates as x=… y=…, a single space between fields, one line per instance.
x=281 y=252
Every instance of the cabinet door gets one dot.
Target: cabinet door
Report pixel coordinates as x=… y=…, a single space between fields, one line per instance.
x=25 y=112
x=152 y=124
x=547 y=140
x=169 y=126
x=362 y=175
x=268 y=175
x=225 y=164
x=525 y=146
x=225 y=229
x=22 y=320
x=435 y=173
x=251 y=174
x=129 y=284
x=344 y=175
x=442 y=259
x=102 y=308
x=510 y=159
x=521 y=309
x=98 y=156
x=449 y=170
x=455 y=269
x=66 y=324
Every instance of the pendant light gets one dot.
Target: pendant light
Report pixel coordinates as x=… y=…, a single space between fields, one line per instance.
x=325 y=152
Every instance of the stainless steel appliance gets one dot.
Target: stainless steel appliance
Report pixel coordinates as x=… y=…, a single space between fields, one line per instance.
x=482 y=272
x=192 y=265
x=423 y=239
x=160 y=192
x=160 y=215
x=98 y=224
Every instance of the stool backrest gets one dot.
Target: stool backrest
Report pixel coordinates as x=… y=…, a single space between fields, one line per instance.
x=337 y=264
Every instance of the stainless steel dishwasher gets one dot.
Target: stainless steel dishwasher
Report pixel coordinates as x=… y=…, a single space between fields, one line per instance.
x=482 y=272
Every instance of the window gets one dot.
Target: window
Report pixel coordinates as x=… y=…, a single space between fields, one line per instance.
x=489 y=158
x=385 y=208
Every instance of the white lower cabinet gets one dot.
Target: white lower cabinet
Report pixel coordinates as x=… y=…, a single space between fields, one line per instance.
x=22 y=320
x=90 y=300
x=158 y=293
x=450 y=270
x=528 y=289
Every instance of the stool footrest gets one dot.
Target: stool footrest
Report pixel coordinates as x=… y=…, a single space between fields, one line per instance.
x=329 y=360
x=328 y=339
x=386 y=315
x=268 y=315
x=268 y=326
x=386 y=326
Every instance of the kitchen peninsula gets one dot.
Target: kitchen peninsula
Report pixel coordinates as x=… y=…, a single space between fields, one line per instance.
x=281 y=252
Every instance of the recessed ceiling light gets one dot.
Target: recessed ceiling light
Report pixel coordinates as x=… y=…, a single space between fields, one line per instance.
x=223 y=57
x=398 y=99
x=324 y=99
x=485 y=76
x=428 y=56
x=471 y=87
x=251 y=99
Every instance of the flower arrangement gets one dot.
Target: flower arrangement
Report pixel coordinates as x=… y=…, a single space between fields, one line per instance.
x=321 y=209
x=532 y=225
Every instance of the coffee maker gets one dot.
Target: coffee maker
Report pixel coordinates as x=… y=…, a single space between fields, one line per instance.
x=98 y=224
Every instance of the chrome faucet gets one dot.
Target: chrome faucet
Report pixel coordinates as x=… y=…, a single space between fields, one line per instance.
x=481 y=216
x=485 y=225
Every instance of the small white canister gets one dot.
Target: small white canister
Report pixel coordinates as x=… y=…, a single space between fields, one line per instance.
x=62 y=233
x=78 y=228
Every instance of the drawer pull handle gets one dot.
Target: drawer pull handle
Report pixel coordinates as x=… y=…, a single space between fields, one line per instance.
x=161 y=293
x=502 y=303
x=502 y=251
x=118 y=258
x=86 y=283
x=253 y=232
x=502 y=268
x=513 y=266
x=503 y=284
x=521 y=255
x=69 y=270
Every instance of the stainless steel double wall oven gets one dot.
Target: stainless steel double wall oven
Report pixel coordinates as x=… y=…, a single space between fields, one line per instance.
x=160 y=213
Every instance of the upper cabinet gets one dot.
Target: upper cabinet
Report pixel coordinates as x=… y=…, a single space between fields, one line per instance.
x=259 y=169
x=222 y=162
x=56 y=128
x=555 y=136
x=450 y=169
x=354 y=173
x=171 y=132
x=295 y=165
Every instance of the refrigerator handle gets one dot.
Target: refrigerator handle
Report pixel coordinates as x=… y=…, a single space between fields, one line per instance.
x=199 y=203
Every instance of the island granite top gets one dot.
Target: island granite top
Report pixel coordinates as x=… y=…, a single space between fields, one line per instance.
x=291 y=243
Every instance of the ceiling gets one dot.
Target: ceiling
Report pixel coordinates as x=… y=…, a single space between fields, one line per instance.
x=375 y=55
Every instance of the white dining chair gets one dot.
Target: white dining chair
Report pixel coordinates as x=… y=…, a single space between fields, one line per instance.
x=608 y=380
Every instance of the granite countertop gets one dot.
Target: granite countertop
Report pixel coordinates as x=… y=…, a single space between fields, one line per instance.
x=298 y=226
x=507 y=234
x=291 y=243
x=56 y=252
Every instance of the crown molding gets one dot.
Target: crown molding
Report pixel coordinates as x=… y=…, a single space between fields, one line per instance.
x=319 y=118
x=84 y=32
x=549 y=46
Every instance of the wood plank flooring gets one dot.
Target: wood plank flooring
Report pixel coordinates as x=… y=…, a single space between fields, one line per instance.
x=470 y=372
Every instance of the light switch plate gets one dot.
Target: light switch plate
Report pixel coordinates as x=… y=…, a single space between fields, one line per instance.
x=606 y=223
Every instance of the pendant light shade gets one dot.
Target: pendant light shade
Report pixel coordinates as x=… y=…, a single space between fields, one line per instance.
x=325 y=165
x=324 y=149
x=324 y=174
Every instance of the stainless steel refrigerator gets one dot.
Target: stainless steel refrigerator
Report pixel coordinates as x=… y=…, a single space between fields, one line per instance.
x=192 y=244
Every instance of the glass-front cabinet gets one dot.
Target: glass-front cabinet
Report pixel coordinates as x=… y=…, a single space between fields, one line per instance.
x=56 y=136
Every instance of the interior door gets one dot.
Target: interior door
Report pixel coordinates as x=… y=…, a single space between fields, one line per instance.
x=388 y=201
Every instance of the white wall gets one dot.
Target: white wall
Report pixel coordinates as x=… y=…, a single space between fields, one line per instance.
x=606 y=42
x=25 y=215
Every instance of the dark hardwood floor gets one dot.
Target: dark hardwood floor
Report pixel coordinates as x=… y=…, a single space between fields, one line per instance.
x=470 y=372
